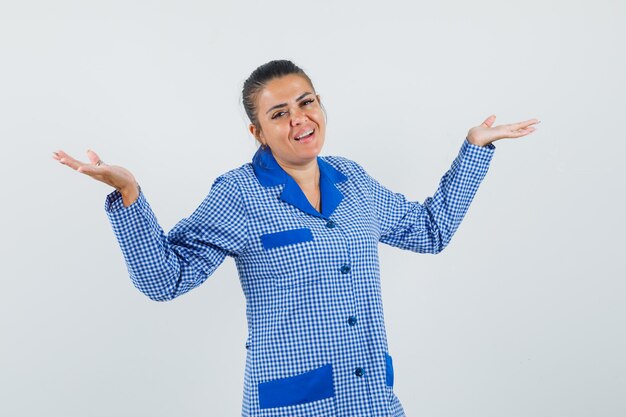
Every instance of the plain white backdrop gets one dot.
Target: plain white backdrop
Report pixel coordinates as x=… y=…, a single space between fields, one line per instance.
x=524 y=314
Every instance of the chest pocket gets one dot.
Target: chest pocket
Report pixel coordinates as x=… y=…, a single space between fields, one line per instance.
x=292 y=256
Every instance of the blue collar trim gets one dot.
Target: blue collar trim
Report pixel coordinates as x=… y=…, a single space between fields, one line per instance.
x=270 y=174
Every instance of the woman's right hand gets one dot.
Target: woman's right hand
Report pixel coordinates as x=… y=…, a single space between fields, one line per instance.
x=117 y=177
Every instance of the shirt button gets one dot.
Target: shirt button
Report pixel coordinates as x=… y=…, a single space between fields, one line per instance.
x=351 y=320
x=359 y=371
x=345 y=269
x=330 y=224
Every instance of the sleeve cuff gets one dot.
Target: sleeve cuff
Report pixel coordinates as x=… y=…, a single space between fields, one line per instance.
x=489 y=146
x=114 y=202
x=477 y=158
x=479 y=153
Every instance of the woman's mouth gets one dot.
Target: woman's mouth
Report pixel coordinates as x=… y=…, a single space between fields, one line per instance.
x=305 y=136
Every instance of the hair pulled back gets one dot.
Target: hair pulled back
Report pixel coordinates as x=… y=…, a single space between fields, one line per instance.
x=260 y=77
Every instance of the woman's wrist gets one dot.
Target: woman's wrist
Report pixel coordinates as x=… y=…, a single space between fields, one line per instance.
x=130 y=194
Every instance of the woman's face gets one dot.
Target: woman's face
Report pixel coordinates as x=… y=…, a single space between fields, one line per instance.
x=291 y=119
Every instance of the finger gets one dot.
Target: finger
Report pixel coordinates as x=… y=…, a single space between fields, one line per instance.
x=66 y=159
x=521 y=132
x=489 y=121
x=93 y=157
x=524 y=124
x=92 y=170
x=58 y=154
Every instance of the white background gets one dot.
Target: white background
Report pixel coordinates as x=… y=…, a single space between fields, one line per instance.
x=524 y=313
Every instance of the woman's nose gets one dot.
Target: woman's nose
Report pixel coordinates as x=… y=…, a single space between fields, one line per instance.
x=298 y=117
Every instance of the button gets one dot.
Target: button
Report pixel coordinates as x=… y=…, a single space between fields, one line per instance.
x=359 y=371
x=345 y=269
x=351 y=320
x=330 y=224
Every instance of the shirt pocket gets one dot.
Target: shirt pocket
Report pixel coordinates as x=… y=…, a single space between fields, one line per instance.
x=286 y=237
x=306 y=394
x=291 y=255
x=388 y=370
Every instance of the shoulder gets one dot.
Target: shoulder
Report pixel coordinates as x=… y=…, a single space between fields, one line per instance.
x=240 y=178
x=346 y=166
x=228 y=186
x=239 y=174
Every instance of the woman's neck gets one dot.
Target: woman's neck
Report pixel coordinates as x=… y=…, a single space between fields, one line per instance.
x=307 y=176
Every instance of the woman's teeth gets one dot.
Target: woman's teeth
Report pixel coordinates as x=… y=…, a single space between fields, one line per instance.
x=304 y=135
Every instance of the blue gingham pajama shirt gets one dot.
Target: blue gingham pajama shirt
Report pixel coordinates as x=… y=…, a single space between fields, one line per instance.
x=316 y=341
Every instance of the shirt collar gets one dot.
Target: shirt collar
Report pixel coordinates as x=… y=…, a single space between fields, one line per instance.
x=270 y=173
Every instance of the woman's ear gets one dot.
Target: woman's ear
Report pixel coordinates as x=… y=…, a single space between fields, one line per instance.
x=256 y=133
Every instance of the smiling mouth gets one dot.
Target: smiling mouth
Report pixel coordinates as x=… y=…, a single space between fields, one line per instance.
x=305 y=135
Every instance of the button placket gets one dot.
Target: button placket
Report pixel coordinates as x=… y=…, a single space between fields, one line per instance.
x=345 y=270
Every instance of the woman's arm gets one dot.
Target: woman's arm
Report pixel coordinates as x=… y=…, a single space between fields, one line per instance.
x=429 y=227
x=166 y=266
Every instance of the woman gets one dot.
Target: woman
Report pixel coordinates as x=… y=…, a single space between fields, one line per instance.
x=303 y=231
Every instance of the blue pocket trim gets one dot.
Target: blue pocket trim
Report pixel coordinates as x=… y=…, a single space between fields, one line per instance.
x=310 y=386
x=389 y=369
x=287 y=237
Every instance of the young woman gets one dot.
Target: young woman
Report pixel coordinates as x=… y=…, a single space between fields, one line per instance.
x=303 y=230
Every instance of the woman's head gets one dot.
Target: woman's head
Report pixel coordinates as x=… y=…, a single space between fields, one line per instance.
x=259 y=79
x=283 y=107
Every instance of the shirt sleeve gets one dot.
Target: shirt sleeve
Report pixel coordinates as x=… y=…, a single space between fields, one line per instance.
x=428 y=227
x=164 y=266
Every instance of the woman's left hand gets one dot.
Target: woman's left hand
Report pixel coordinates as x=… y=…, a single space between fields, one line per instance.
x=486 y=133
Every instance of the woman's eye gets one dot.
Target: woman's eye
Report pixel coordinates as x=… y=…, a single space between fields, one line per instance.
x=277 y=114
x=309 y=101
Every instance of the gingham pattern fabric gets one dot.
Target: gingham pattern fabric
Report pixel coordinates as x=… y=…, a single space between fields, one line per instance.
x=311 y=280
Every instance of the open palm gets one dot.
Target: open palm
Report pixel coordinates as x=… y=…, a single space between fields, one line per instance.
x=486 y=133
x=116 y=176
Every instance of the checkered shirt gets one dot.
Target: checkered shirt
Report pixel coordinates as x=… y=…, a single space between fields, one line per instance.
x=316 y=342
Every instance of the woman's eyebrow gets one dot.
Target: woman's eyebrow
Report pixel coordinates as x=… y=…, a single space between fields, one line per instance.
x=284 y=104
